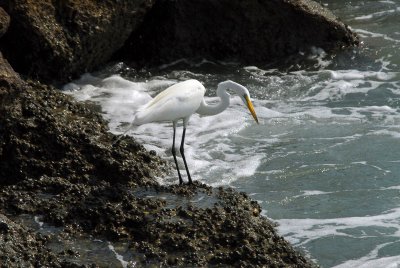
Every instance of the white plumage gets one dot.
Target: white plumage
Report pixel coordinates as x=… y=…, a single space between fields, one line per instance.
x=180 y=101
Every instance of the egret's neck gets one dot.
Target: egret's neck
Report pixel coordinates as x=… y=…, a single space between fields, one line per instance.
x=206 y=109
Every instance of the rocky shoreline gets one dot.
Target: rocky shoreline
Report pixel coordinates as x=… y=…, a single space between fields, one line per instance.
x=60 y=168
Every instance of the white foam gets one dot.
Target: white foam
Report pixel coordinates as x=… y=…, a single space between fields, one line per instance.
x=319 y=55
x=372 y=260
x=387 y=2
x=38 y=221
x=303 y=231
x=365 y=163
x=344 y=82
x=357 y=75
x=391 y=187
x=118 y=256
x=313 y=192
x=378 y=14
x=392 y=133
x=369 y=34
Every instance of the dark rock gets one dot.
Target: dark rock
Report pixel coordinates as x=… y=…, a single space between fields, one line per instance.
x=9 y=82
x=7 y=73
x=56 y=40
x=4 y=22
x=249 y=32
x=20 y=247
x=59 y=40
x=161 y=231
x=43 y=132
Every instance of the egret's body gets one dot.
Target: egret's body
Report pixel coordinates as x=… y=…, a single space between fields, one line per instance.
x=183 y=99
x=179 y=101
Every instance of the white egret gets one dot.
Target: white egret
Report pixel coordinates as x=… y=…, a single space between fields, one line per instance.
x=182 y=100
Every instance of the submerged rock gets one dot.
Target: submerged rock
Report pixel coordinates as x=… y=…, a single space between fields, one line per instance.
x=22 y=247
x=55 y=40
x=174 y=226
x=249 y=32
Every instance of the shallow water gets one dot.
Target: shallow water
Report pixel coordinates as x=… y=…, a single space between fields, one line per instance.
x=84 y=250
x=323 y=163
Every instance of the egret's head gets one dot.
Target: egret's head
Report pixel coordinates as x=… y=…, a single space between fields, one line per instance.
x=243 y=94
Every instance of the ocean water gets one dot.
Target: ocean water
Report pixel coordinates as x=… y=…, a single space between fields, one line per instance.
x=324 y=162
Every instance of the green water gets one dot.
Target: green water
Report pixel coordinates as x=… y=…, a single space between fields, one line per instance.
x=332 y=180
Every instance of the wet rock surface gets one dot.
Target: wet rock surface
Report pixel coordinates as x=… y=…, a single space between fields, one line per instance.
x=249 y=32
x=158 y=230
x=22 y=247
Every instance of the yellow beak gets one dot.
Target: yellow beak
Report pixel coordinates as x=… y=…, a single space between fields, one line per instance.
x=251 y=107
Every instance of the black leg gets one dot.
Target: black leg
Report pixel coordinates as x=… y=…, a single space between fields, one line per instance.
x=182 y=150
x=174 y=155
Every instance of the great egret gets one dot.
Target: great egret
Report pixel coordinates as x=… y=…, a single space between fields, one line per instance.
x=182 y=100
